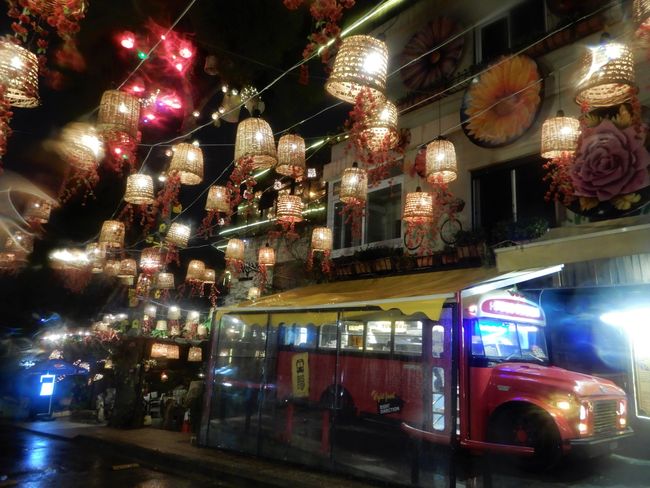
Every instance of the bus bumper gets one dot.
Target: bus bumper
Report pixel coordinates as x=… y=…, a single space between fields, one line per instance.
x=598 y=446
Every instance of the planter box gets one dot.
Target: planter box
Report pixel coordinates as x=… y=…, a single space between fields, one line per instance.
x=382 y=265
x=362 y=267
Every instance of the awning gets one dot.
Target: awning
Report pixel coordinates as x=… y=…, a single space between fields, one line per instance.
x=424 y=292
x=608 y=239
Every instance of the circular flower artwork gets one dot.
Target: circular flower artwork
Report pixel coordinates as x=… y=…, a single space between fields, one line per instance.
x=426 y=68
x=503 y=102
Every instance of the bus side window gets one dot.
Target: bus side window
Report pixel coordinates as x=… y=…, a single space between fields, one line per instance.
x=408 y=337
x=437 y=341
x=328 y=333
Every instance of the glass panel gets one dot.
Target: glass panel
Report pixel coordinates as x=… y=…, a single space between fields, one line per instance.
x=300 y=375
x=437 y=341
x=384 y=211
x=494 y=39
x=239 y=382
x=438 y=398
x=342 y=233
x=408 y=337
x=352 y=335
x=378 y=336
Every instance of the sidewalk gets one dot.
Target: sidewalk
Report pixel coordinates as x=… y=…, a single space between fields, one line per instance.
x=173 y=451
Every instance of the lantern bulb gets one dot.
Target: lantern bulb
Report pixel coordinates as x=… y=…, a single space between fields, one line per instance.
x=185 y=52
x=142 y=55
x=179 y=66
x=16 y=62
x=196 y=113
x=224 y=88
x=372 y=63
x=215 y=115
x=128 y=42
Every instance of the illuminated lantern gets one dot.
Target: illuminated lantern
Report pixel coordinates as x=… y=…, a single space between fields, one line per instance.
x=164 y=281
x=559 y=136
x=266 y=256
x=187 y=162
x=112 y=234
x=81 y=146
x=641 y=12
x=289 y=208
x=12 y=260
x=38 y=211
x=253 y=293
x=354 y=185
x=194 y=355
x=161 y=326
x=254 y=139
x=150 y=311
x=291 y=156
x=195 y=271
x=321 y=239
x=139 y=189
x=19 y=72
x=606 y=75
x=128 y=268
x=174 y=313
x=380 y=124
x=178 y=235
x=235 y=250
x=96 y=255
x=151 y=260
x=119 y=113
x=418 y=207
x=112 y=267
x=218 y=199
x=19 y=242
x=209 y=276
x=361 y=63
x=441 y=161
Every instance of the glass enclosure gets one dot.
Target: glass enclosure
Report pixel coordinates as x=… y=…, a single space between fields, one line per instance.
x=332 y=389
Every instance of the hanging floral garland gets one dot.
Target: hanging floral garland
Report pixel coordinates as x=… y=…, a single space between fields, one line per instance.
x=79 y=181
x=326 y=15
x=5 y=119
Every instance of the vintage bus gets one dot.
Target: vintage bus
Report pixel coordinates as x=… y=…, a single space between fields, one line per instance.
x=338 y=384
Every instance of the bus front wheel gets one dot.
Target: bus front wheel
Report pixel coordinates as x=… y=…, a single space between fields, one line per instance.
x=528 y=426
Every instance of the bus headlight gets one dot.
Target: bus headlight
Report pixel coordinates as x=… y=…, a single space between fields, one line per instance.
x=584 y=423
x=621 y=413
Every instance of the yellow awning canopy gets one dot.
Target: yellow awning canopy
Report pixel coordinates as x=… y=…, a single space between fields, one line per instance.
x=424 y=292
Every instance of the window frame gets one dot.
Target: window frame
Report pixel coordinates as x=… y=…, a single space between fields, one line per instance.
x=334 y=200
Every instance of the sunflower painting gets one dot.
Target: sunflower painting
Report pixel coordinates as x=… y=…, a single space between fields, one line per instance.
x=502 y=103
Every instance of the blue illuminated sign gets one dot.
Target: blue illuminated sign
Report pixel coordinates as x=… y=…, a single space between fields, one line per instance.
x=47 y=385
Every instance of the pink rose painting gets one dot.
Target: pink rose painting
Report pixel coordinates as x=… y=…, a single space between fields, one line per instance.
x=610 y=162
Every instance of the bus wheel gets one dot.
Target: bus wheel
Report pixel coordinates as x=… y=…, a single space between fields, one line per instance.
x=344 y=405
x=532 y=427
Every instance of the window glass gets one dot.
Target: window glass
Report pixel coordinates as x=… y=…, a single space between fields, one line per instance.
x=508 y=340
x=352 y=335
x=342 y=229
x=437 y=341
x=328 y=336
x=438 y=398
x=383 y=221
x=526 y=22
x=408 y=337
x=298 y=336
x=494 y=39
x=378 y=336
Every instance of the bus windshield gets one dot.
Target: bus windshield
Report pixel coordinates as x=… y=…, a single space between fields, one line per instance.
x=509 y=341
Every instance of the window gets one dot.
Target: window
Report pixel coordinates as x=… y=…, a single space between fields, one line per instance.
x=298 y=336
x=378 y=336
x=408 y=337
x=352 y=335
x=382 y=221
x=511 y=192
x=521 y=25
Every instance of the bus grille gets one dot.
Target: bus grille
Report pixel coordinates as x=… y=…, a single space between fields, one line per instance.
x=605 y=418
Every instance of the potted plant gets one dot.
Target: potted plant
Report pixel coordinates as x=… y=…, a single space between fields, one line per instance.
x=470 y=243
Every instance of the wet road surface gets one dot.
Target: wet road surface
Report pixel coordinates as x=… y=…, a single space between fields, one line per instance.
x=33 y=461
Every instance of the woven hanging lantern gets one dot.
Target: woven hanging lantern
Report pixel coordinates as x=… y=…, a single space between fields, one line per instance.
x=235 y=250
x=112 y=234
x=209 y=276
x=193 y=317
x=381 y=126
x=641 y=13
x=174 y=313
x=12 y=260
x=321 y=239
x=150 y=310
x=96 y=255
x=418 y=207
x=178 y=235
x=218 y=199
x=559 y=136
x=194 y=355
x=289 y=208
x=128 y=268
x=253 y=293
x=161 y=325
x=441 y=161
x=164 y=281
x=266 y=256
x=112 y=267
x=606 y=75
x=187 y=162
x=119 y=113
x=81 y=146
x=19 y=72
x=38 y=211
x=254 y=140
x=139 y=189
x=195 y=270
x=361 y=63
x=19 y=242
x=291 y=156
x=151 y=259
x=354 y=185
